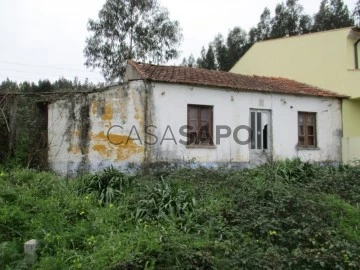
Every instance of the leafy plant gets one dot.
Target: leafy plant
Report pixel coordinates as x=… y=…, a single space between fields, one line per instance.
x=165 y=200
x=293 y=170
x=109 y=185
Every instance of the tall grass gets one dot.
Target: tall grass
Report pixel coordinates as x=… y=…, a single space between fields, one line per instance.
x=282 y=215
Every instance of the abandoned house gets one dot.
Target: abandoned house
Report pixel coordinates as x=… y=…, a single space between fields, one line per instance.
x=180 y=114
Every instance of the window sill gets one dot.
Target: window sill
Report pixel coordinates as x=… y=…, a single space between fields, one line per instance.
x=353 y=69
x=307 y=148
x=201 y=146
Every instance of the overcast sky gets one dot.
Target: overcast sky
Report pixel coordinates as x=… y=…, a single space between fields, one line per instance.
x=43 y=39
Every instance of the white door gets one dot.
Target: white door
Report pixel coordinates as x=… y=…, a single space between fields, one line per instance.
x=260 y=145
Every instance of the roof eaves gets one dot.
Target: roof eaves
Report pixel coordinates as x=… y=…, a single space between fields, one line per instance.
x=253 y=89
x=165 y=74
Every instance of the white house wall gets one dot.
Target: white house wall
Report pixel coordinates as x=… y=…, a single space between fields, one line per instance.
x=232 y=108
x=88 y=132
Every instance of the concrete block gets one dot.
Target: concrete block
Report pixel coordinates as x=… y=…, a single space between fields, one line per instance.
x=30 y=251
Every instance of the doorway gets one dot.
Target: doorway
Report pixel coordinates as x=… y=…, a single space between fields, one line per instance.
x=261 y=139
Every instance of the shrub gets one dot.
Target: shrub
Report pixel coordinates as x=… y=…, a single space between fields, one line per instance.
x=109 y=185
x=10 y=255
x=165 y=200
x=289 y=171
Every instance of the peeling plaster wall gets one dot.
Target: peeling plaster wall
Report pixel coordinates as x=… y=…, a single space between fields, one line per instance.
x=89 y=132
x=232 y=108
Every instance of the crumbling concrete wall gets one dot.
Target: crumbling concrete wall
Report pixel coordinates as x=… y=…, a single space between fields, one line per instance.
x=88 y=132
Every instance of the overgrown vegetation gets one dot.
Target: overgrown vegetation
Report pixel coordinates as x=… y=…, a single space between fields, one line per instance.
x=283 y=215
x=23 y=118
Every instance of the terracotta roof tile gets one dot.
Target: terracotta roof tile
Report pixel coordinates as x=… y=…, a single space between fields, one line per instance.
x=204 y=77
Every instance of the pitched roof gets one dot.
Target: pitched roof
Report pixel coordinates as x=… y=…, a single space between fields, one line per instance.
x=204 y=77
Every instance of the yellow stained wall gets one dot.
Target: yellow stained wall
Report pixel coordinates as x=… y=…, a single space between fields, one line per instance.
x=324 y=59
x=351 y=130
x=350 y=149
x=351 y=118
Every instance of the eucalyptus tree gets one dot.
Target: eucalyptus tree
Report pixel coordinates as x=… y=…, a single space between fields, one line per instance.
x=188 y=62
x=332 y=14
x=130 y=29
x=357 y=13
x=207 y=58
x=236 y=45
x=288 y=20
x=221 y=53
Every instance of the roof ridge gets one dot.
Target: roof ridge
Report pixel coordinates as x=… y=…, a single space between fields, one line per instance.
x=205 y=77
x=133 y=62
x=305 y=34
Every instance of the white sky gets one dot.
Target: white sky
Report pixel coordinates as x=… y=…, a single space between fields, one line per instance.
x=44 y=39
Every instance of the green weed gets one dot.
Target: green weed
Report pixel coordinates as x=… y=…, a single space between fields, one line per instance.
x=283 y=215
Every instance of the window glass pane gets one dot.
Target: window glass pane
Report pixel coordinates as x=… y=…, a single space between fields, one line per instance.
x=205 y=114
x=204 y=123
x=310 y=130
x=194 y=125
x=311 y=140
x=192 y=138
x=301 y=119
x=301 y=131
x=193 y=113
x=204 y=135
x=307 y=129
x=311 y=119
x=258 y=131
x=199 y=118
x=301 y=141
x=252 y=120
x=204 y=139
